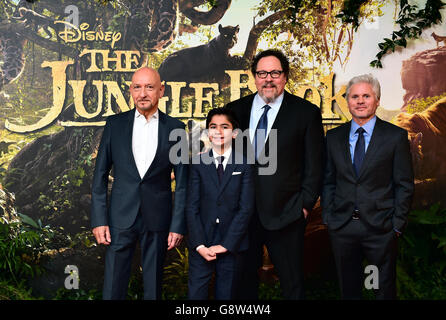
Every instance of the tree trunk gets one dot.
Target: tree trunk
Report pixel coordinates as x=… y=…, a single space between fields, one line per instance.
x=207 y=18
x=257 y=30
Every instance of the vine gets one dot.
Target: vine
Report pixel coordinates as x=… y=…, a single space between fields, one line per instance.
x=411 y=20
x=412 y=23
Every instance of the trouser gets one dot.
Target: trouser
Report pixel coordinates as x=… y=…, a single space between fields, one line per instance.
x=119 y=255
x=285 y=247
x=227 y=270
x=356 y=241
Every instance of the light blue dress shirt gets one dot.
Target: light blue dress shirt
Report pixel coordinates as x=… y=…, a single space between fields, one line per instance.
x=368 y=127
x=257 y=111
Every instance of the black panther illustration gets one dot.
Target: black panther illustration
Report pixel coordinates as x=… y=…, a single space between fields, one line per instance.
x=204 y=63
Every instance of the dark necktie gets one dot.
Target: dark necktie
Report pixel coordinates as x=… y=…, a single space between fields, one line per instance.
x=359 y=151
x=220 y=168
x=259 y=138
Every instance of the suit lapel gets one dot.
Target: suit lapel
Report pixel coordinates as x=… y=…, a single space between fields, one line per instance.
x=277 y=122
x=375 y=141
x=282 y=112
x=230 y=166
x=162 y=136
x=246 y=113
x=244 y=118
x=128 y=133
x=210 y=168
x=346 y=149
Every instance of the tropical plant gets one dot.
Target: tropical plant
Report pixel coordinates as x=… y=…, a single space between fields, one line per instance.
x=15 y=291
x=21 y=243
x=176 y=276
x=65 y=294
x=421 y=267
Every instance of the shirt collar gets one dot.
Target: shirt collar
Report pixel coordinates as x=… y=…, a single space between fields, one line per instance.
x=368 y=127
x=259 y=102
x=226 y=154
x=139 y=116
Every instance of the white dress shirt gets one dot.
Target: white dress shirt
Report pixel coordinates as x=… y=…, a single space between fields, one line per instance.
x=144 y=141
x=257 y=110
x=227 y=154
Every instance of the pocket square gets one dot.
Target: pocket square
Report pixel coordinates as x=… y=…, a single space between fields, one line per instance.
x=235 y=173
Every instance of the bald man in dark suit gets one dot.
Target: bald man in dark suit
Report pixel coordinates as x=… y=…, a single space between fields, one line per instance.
x=136 y=145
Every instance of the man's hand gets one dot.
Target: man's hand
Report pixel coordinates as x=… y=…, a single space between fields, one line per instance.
x=207 y=253
x=218 y=249
x=174 y=240
x=306 y=212
x=102 y=235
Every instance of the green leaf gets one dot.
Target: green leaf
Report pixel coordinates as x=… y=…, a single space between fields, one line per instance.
x=441 y=239
x=28 y=220
x=401 y=42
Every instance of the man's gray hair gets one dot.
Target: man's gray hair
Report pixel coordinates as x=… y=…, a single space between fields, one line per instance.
x=365 y=78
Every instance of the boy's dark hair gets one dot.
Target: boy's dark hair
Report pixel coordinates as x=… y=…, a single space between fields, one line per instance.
x=275 y=53
x=225 y=112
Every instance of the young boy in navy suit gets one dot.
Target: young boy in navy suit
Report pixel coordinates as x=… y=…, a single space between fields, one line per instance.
x=219 y=206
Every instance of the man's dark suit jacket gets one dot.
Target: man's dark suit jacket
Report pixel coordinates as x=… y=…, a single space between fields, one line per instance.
x=152 y=194
x=231 y=201
x=383 y=191
x=296 y=184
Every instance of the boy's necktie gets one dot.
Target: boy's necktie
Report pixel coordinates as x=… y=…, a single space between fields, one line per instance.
x=220 y=168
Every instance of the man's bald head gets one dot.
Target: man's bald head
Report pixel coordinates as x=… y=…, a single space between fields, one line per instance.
x=146 y=71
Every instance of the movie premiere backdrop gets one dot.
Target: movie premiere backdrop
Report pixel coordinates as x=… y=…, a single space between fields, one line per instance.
x=65 y=66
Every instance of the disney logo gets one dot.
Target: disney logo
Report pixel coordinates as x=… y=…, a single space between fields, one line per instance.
x=75 y=34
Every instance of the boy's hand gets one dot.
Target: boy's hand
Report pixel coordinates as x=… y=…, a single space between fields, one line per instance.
x=207 y=254
x=218 y=249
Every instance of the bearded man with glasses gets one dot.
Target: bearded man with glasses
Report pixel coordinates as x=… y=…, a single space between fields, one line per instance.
x=285 y=198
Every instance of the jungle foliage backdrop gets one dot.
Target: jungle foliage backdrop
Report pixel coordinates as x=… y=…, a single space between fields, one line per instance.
x=66 y=65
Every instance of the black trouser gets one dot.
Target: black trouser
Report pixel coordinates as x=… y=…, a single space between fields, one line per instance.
x=356 y=241
x=118 y=260
x=285 y=247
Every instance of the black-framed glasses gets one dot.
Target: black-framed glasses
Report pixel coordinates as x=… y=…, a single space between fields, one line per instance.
x=274 y=74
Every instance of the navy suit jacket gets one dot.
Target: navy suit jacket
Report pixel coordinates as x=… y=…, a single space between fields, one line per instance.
x=232 y=202
x=384 y=188
x=152 y=194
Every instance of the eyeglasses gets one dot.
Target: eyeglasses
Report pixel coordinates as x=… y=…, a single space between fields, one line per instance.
x=274 y=74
